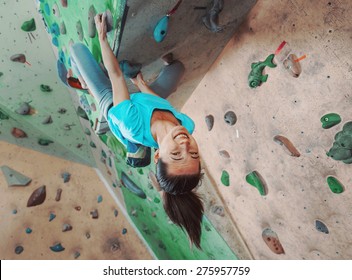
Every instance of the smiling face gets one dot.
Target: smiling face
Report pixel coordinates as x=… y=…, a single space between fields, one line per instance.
x=179 y=151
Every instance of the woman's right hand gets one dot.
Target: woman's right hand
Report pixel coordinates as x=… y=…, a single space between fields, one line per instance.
x=100 y=23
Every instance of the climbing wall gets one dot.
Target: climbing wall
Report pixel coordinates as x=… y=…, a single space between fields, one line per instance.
x=47 y=116
x=36 y=109
x=75 y=218
x=267 y=146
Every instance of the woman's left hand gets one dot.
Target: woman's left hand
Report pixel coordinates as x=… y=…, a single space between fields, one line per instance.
x=100 y=23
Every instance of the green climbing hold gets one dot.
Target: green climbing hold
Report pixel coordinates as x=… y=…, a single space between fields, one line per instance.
x=256 y=77
x=339 y=153
x=156 y=200
x=342 y=147
x=92 y=144
x=81 y=113
x=29 y=25
x=140 y=171
x=1 y=74
x=87 y=131
x=45 y=88
x=330 y=120
x=335 y=185
x=256 y=180
x=44 y=142
x=3 y=116
x=225 y=178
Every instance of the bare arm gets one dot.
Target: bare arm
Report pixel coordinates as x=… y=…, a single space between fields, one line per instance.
x=119 y=86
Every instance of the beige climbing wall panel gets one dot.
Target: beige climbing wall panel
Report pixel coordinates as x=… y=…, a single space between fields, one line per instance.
x=299 y=208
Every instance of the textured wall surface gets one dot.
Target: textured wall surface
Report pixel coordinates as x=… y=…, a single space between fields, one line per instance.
x=298 y=209
x=71 y=137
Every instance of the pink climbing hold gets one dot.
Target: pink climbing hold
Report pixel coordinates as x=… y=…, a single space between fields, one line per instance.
x=18 y=133
x=64 y=3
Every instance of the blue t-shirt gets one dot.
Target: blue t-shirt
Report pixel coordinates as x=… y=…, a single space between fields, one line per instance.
x=130 y=119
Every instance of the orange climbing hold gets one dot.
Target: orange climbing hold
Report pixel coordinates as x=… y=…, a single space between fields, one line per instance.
x=289 y=147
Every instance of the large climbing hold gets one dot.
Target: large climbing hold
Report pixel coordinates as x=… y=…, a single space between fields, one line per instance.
x=91 y=23
x=335 y=185
x=342 y=147
x=37 y=197
x=256 y=77
x=287 y=144
x=330 y=120
x=256 y=180
x=14 y=178
x=272 y=241
x=130 y=185
x=29 y=25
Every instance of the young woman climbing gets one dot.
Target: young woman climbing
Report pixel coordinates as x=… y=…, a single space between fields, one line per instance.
x=148 y=119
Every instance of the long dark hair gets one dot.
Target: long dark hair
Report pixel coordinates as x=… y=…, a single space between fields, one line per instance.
x=183 y=206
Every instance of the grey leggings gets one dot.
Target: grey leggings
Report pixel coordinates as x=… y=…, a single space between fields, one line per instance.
x=84 y=64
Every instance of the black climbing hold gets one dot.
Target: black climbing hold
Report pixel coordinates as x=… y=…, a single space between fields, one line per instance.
x=62 y=111
x=19 y=249
x=320 y=226
x=92 y=144
x=45 y=88
x=230 y=118
x=209 y=120
x=116 y=213
x=94 y=214
x=56 y=10
x=37 y=197
x=130 y=185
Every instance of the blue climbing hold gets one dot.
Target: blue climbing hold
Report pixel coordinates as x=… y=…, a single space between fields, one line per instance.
x=55 y=41
x=52 y=217
x=57 y=248
x=124 y=231
x=28 y=230
x=100 y=198
x=47 y=9
x=320 y=226
x=55 y=29
x=160 y=29
x=14 y=211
